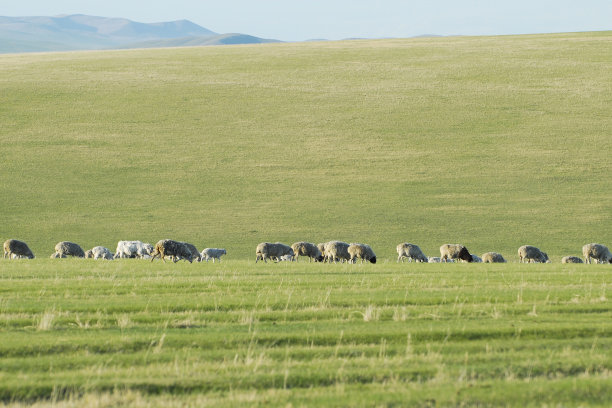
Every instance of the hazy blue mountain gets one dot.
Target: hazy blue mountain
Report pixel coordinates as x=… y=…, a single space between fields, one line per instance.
x=82 y=32
x=221 y=39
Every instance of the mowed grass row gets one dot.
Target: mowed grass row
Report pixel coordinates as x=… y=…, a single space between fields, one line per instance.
x=79 y=332
x=490 y=142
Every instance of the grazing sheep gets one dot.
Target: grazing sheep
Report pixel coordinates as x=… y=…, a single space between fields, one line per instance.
x=528 y=253
x=493 y=257
x=476 y=259
x=455 y=251
x=267 y=250
x=410 y=251
x=195 y=254
x=361 y=251
x=337 y=250
x=169 y=247
x=434 y=259
x=212 y=253
x=88 y=254
x=100 y=252
x=321 y=248
x=571 y=259
x=307 y=249
x=55 y=255
x=69 y=249
x=599 y=252
x=16 y=247
x=133 y=249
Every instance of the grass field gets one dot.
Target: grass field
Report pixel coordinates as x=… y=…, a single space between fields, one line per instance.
x=491 y=142
x=87 y=333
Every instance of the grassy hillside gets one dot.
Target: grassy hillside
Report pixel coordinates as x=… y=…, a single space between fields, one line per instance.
x=84 y=333
x=492 y=142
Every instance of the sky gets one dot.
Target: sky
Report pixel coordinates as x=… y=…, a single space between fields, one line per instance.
x=293 y=20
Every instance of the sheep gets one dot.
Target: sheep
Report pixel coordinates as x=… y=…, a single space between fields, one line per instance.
x=455 y=251
x=100 y=252
x=410 y=251
x=195 y=254
x=326 y=257
x=528 y=253
x=493 y=257
x=476 y=259
x=361 y=251
x=267 y=250
x=212 y=253
x=307 y=249
x=169 y=247
x=69 y=249
x=337 y=250
x=571 y=259
x=16 y=247
x=133 y=249
x=286 y=258
x=599 y=252
x=434 y=259
x=55 y=255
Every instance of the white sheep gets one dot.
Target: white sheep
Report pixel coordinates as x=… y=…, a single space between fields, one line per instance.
x=267 y=250
x=528 y=253
x=337 y=251
x=133 y=249
x=212 y=253
x=361 y=251
x=307 y=249
x=411 y=252
x=100 y=252
x=599 y=252
x=493 y=257
x=285 y=258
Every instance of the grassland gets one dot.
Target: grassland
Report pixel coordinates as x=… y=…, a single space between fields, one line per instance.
x=492 y=142
x=87 y=333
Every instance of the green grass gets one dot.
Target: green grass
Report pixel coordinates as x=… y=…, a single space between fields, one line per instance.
x=492 y=142
x=87 y=333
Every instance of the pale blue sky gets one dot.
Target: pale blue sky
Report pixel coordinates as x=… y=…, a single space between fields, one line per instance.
x=290 y=20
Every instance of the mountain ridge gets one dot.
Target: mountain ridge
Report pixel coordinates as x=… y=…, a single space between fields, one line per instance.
x=83 y=32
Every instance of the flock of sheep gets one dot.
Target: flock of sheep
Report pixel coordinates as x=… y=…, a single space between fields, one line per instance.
x=125 y=249
x=332 y=251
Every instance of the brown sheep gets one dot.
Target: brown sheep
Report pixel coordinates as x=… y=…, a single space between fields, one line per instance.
x=16 y=247
x=169 y=247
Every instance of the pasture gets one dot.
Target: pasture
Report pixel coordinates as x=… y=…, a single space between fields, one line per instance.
x=134 y=333
x=491 y=142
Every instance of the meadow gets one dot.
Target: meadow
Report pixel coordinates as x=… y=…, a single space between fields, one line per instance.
x=490 y=142
x=91 y=333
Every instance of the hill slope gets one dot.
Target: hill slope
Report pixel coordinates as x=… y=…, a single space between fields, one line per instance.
x=491 y=142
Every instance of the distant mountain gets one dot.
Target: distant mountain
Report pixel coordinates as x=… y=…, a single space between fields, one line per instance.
x=82 y=32
x=222 y=39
